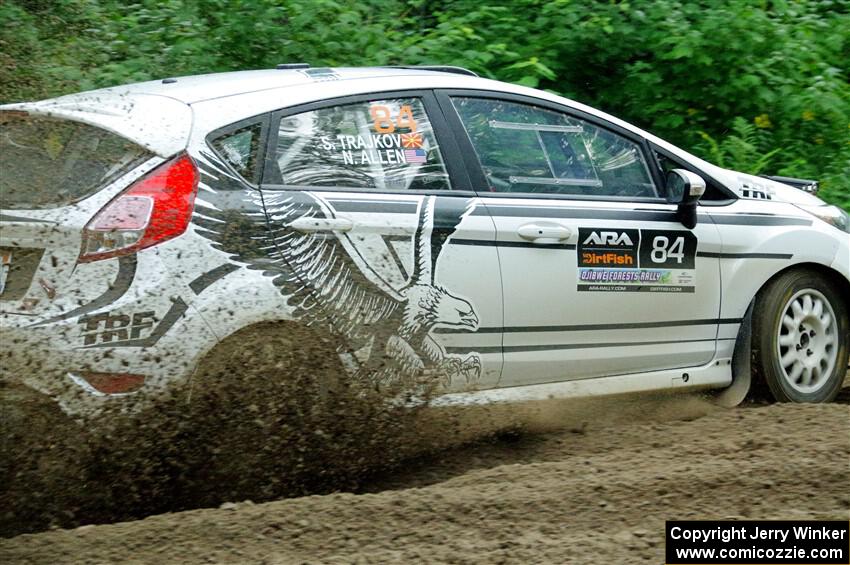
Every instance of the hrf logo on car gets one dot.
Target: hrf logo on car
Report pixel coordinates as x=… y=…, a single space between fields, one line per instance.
x=117 y=327
x=755 y=191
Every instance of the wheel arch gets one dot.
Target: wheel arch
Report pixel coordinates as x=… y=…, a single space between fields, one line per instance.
x=841 y=284
x=318 y=341
x=754 y=279
x=316 y=350
x=741 y=384
x=840 y=281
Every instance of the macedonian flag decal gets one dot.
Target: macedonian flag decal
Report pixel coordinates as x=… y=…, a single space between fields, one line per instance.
x=411 y=140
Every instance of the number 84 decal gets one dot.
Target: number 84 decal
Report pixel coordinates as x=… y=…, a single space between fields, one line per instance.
x=667 y=248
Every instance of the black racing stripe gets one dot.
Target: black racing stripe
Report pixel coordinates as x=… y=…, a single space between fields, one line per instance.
x=758 y=220
x=572 y=246
x=126 y=273
x=559 y=347
x=745 y=255
x=10 y=218
x=375 y=206
x=388 y=239
x=593 y=327
x=471 y=349
x=491 y=243
x=751 y=219
x=499 y=210
x=203 y=281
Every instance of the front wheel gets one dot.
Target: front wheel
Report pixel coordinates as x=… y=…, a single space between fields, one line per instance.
x=800 y=338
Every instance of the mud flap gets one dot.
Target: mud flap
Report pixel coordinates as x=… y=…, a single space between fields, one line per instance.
x=741 y=366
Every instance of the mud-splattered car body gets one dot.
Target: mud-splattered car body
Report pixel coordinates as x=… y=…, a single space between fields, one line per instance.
x=364 y=203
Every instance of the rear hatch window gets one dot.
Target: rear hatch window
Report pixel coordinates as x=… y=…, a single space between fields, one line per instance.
x=48 y=163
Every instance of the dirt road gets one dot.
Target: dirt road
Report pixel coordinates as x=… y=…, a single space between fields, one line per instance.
x=583 y=483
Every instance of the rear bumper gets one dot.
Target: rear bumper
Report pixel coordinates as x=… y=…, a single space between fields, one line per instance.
x=50 y=360
x=149 y=330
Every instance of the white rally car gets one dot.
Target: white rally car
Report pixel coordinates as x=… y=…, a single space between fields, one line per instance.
x=417 y=225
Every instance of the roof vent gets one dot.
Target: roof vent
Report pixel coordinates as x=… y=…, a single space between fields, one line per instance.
x=169 y=80
x=291 y=66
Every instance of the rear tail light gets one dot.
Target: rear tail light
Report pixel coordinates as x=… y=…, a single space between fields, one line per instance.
x=154 y=209
x=101 y=384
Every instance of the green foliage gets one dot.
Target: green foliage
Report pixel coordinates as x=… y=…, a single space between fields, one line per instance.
x=757 y=86
x=740 y=150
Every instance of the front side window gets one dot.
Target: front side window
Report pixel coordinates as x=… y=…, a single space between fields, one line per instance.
x=528 y=149
x=374 y=145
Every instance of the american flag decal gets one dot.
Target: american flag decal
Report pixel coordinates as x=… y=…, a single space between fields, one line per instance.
x=415 y=155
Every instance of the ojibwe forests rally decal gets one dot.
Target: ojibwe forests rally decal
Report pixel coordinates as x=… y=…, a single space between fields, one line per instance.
x=386 y=146
x=636 y=260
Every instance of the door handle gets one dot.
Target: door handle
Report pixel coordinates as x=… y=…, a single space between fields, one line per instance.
x=310 y=225
x=544 y=233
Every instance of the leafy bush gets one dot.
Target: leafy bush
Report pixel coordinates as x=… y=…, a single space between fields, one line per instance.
x=763 y=87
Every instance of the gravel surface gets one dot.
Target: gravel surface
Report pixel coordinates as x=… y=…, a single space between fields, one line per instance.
x=579 y=482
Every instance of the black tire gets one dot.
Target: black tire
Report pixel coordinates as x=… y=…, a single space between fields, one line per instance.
x=277 y=359
x=257 y=403
x=43 y=454
x=800 y=343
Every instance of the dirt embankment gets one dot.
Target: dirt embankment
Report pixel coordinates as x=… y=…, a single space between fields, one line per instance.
x=586 y=482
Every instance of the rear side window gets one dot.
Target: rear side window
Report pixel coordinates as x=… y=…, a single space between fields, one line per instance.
x=47 y=163
x=528 y=149
x=240 y=148
x=375 y=145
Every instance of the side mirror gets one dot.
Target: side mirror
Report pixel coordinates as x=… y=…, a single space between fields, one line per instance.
x=685 y=189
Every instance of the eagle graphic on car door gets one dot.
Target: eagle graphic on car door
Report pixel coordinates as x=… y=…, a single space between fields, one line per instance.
x=329 y=283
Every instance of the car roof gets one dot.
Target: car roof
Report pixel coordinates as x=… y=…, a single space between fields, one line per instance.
x=118 y=108
x=199 y=88
x=156 y=114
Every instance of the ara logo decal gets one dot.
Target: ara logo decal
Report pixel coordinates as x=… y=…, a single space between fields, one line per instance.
x=608 y=238
x=384 y=321
x=601 y=247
